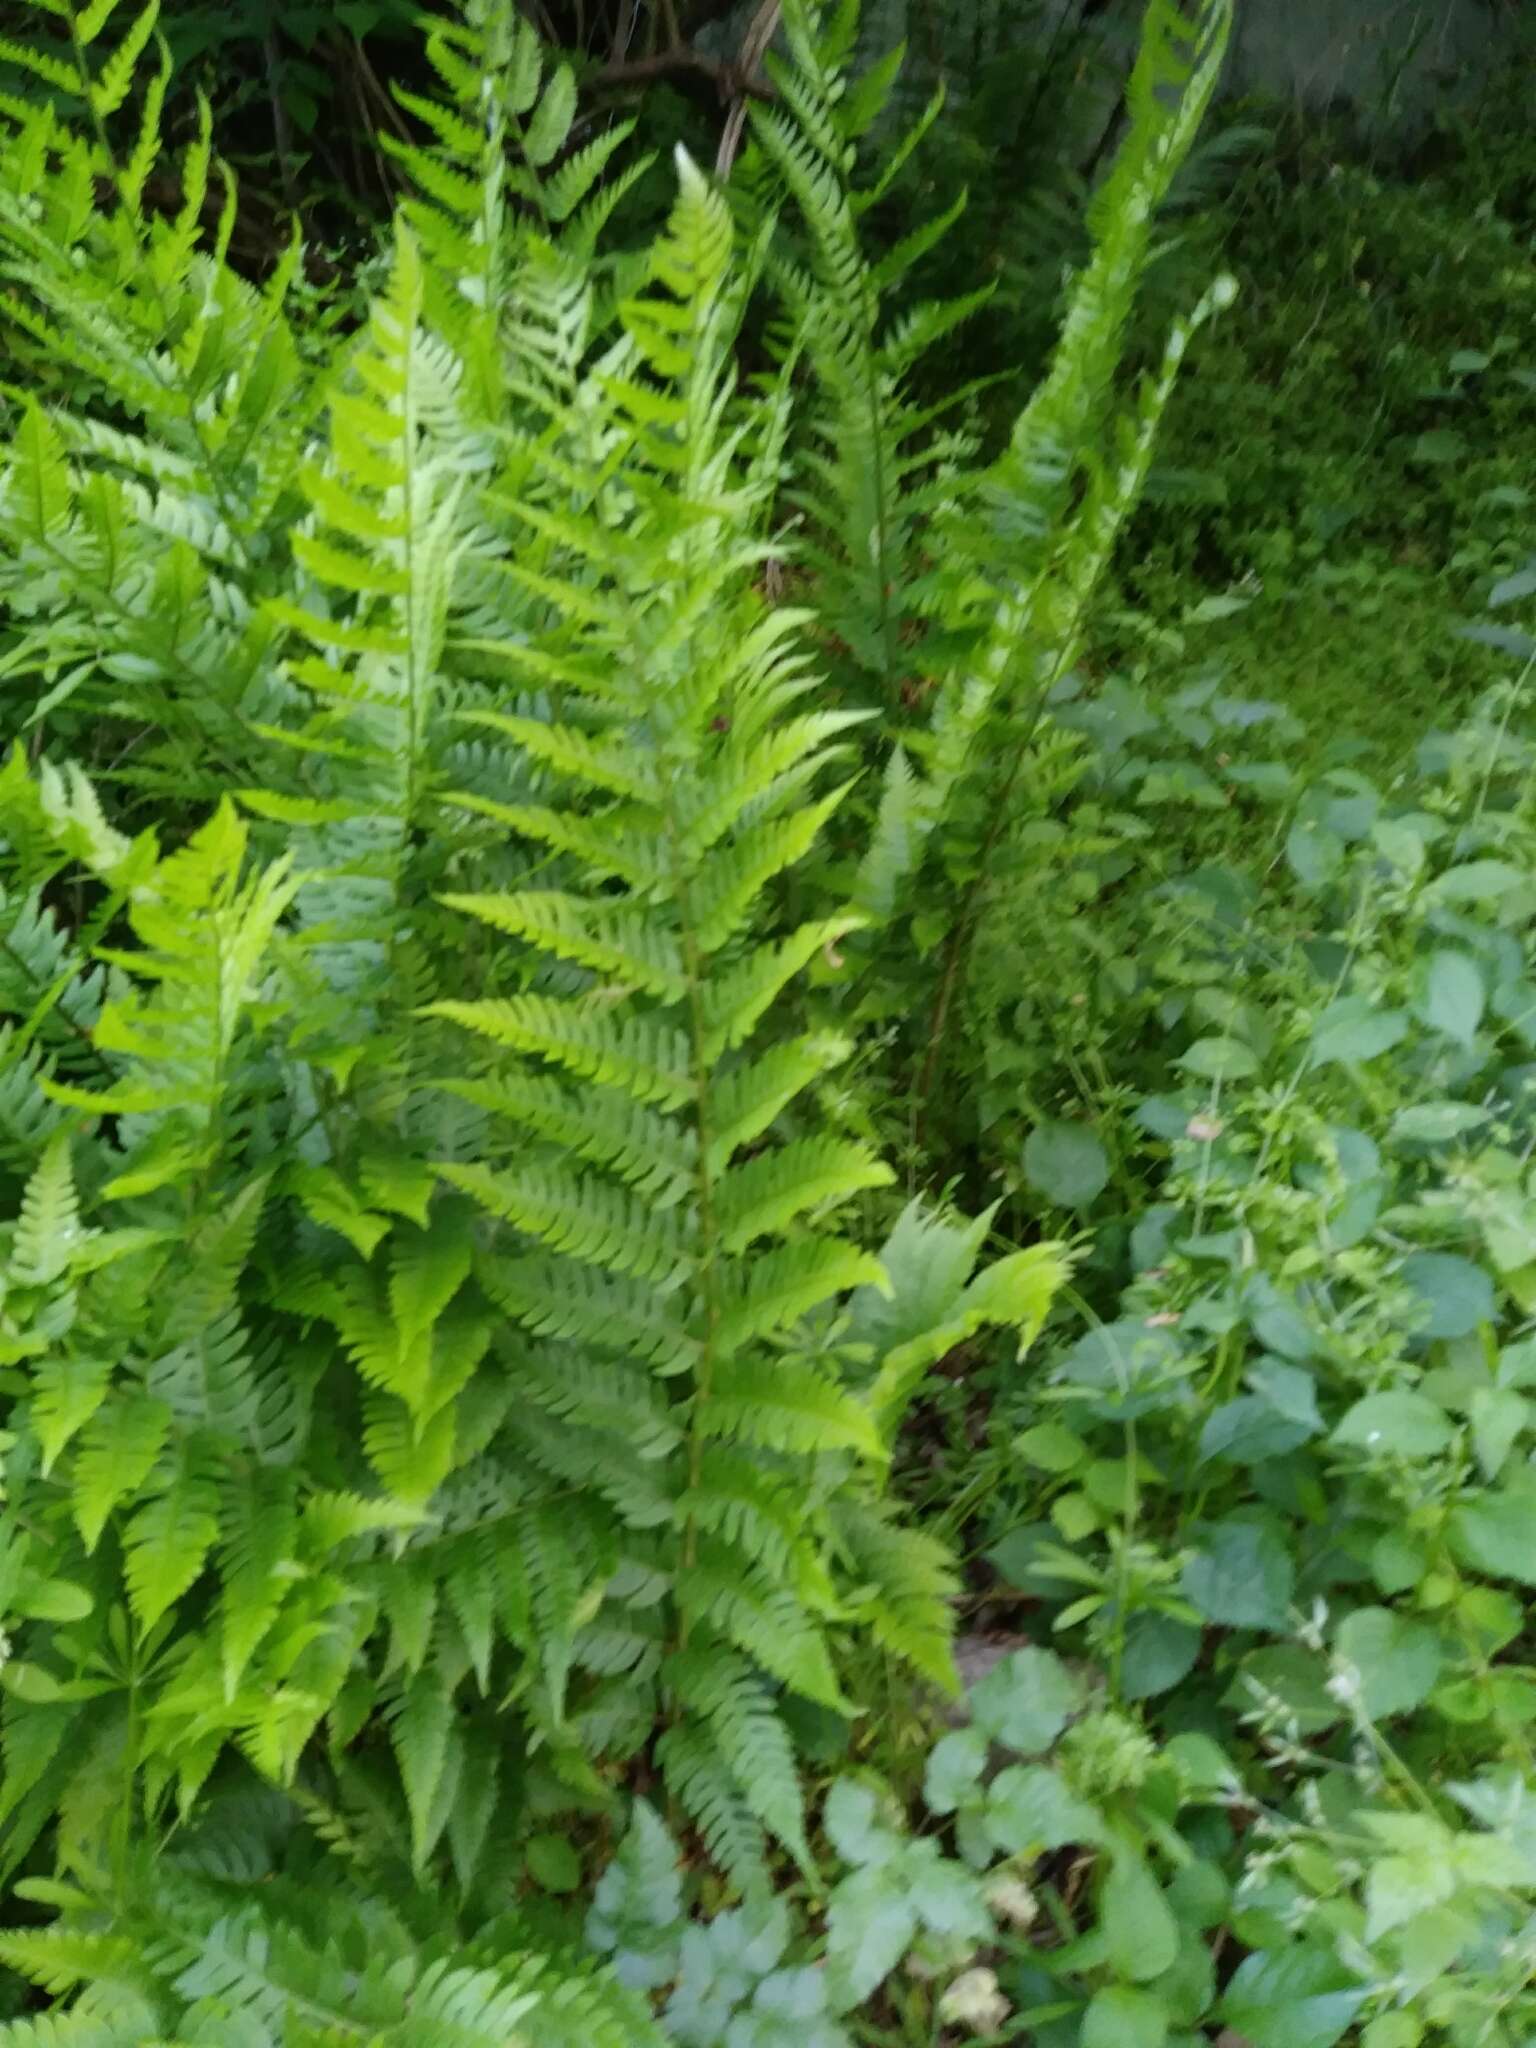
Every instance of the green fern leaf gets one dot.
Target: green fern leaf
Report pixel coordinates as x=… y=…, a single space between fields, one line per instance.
x=48 y=1227
x=647 y=1060
x=721 y=1590
x=118 y=1451
x=786 y=1404
x=166 y=1544
x=752 y=1742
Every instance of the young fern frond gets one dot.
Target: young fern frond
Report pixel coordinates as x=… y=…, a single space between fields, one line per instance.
x=1045 y=517
x=874 y=467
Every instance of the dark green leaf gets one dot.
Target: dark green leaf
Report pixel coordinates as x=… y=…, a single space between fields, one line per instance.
x=1159 y=1651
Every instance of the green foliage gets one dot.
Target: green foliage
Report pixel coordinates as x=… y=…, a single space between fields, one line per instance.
x=447 y=1373
x=576 y=925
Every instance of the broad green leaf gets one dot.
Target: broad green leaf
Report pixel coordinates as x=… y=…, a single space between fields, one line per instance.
x=1354 y=1030
x=1452 y=995
x=1051 y=1447
x=1159 y=1651
x=1241 y=1575
x=1399 y=1424
x=1458 y=1295
x=1141 y=1935
x=1298 y=1997
x=1398 y=1659
x=1477 y=881
x=1219 y=1059
x=1495 y=1532
x=1436 y=1123
x=955 y=1766
x=1119 y=2016
x=1314 y=853
x=1398 y=1888
x=1066 y=1163
x=1025 y=1701
x=857 y=1824
x=1499 y=1416
x=871 y=1921
x=1031 y=1808
x=53 y=1600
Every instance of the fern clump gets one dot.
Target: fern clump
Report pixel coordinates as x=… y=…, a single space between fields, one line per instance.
x=456 y=1327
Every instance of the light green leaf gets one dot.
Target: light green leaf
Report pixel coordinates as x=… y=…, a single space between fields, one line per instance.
x=1436 y=1123
x=1496 y=1532
x=1476 y=882
x=871 y=1922
x=1498 y=1416
x=1031 y=1808
x=1051 y=1447
x=1066 y=1163
x=1399 y=1423
x=1399 y=1887
x=1141 y=1935
x=1119 y=2016
x=1219 y=1059
x=1354 y=1030
x=1298 y=1997
x=1314 y=854
x=1452 y=995
x=857 y=1825
x=955 y=1766
x=53 y=1600
x=1398 y=1659
x=1458 y=1294
x=1026 y=1701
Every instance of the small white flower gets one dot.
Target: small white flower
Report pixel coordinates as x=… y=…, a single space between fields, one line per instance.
x=1344 y=1685
x=1205 y=1130
x=975 y=2000
x=1012 y=1900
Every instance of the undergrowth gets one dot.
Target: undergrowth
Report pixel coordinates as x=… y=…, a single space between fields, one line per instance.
x=631 y=1088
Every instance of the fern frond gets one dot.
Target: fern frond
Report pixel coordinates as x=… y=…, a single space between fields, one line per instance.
x=49 y=1223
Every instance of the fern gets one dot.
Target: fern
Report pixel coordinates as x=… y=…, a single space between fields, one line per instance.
x=175 y=1953
x=875 y=470
x=682 y=732
x=446 y=1360
x=1032 y=535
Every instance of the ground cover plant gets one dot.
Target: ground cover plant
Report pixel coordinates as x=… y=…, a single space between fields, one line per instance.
x=701 y=1346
